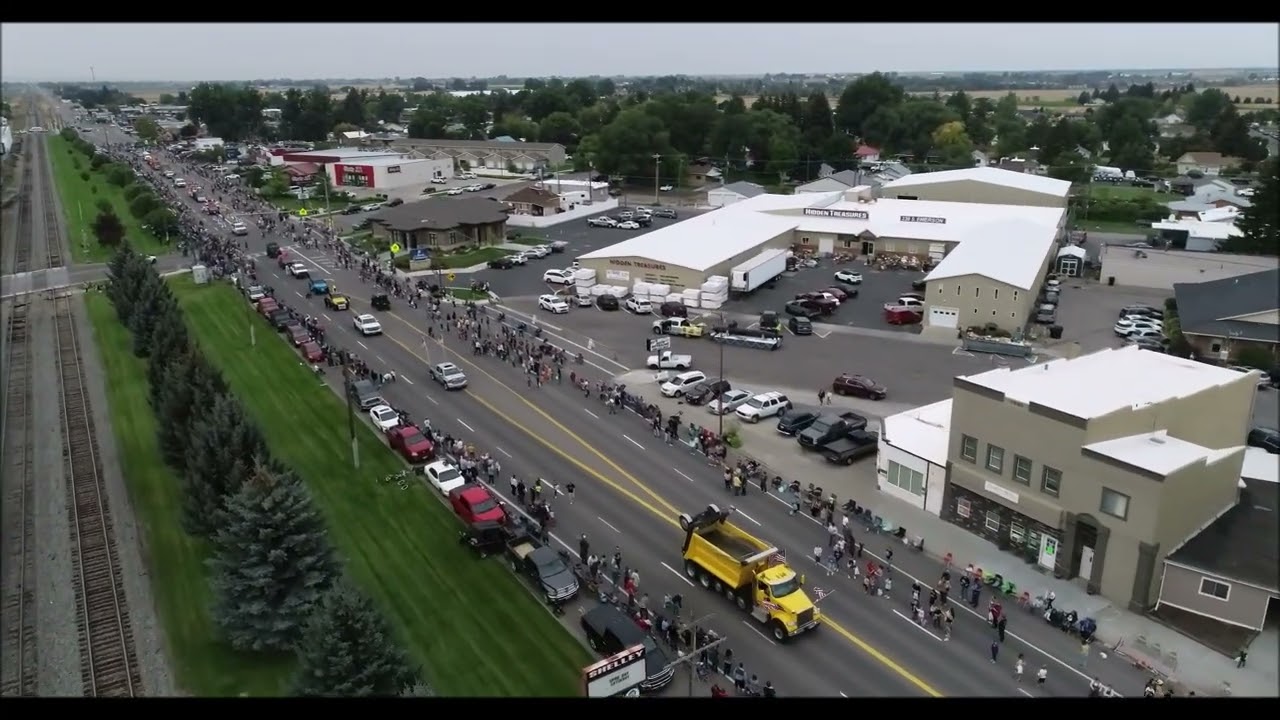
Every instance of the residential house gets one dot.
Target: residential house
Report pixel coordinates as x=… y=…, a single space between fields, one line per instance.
x=1019 y=165
x=734 y=192
x=1083 y=152
x=1170 y=119
x=867 y=154
x=354 y=136
x=1177 y=131
x=701 y=172
x=1222 y=317
x=980 y=159
x=833 y=182
x=533 y=200
x=1098 y=467
x=1208 y=163
x=478 y=154
x=442 y=223
x=825 y=171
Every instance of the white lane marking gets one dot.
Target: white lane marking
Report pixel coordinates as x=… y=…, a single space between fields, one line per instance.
x=686 y=477
x=405 y=378
x=633 y=442
x=326 y=317
x=843 y=695
x=361 y=344
x=608 y=525
x=380 y=358
x=1024 y=692
x=756 y=630
x=591 y=413
x=504 y=452
x=589 y=351
x=433 y=400
x=468 y=427
x=822 y=336
x=678 y=574
x=739 y=512
x=963 y=606
x=917 y=626
x=295 y=292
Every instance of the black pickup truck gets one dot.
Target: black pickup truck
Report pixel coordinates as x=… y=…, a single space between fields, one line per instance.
x=829 y=427
x=852 y=447
x=551 y=572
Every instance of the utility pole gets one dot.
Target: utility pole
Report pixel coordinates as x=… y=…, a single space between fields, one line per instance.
x=657 y=164
x=351 y=418
x=690 y=658
x=720 y=415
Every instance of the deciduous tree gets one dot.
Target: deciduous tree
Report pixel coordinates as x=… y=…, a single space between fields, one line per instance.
x=108 y=229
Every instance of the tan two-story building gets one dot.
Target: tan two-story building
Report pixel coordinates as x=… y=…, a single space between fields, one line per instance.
x=1099 y=466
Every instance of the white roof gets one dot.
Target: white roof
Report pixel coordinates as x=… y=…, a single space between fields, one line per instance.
x=989 y=175
x=1260 y=465
x=1072 y=251
x=924 y=431
x=1098 y=384
x=1200 y=229
x=708 y=239
x=385 y=161
x=1007 y=251
x=344 y=152
x=1156 y=452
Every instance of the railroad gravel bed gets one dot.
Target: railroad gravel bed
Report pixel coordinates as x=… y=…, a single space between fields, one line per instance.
x=56 y=629
x=148 y=633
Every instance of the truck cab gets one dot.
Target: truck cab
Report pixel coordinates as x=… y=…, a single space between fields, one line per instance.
x=830 y=427
x=732 y=563
x=667 y=360
x=677 y=326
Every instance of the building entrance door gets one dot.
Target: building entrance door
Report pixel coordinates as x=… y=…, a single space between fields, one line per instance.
x=868 y=247
x=1086 y=563
x=1048 y=551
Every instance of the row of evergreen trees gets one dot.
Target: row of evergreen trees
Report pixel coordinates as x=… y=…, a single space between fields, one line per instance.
x=277 y=586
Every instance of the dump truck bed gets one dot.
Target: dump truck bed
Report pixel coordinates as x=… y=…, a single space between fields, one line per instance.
x=737 y=548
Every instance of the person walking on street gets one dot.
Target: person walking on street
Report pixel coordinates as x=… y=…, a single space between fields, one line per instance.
x=740 y=679
x=568 y=490
x=995 y=650
x=817 y=554
x=584 y=547
x=1041 y=675
x=1242 y=657
x=822 y=396
x=949 y=616
x=1000 y=626
x=1018 y=666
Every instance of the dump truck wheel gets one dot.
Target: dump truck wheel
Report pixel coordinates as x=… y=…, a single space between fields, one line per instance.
x=685 y=522
x=719 y=587
x=690 y=569
x=714 y=509
x=742 y=603
x=778 y=631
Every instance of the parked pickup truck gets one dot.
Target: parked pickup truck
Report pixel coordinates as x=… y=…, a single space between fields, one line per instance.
x=677 y=326
x=852 y=447
x=668 y=360
x=550 y=571
x=828 y=428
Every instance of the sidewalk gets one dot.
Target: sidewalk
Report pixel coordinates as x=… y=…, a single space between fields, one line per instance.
x=1138 y=637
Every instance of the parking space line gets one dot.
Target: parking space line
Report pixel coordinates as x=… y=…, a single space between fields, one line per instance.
x=295 y=292
x=468 y=427
x=380 y=358
x=633 y=442
x=433 y=400
x=678 y=574
x=326 y=317
x=822 y=336
x=608 y=525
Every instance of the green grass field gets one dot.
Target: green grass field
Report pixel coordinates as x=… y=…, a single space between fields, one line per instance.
x=472 y=624
x=79 y=205
x=528 y=241
x=1128 y=192
x=475 y=257
x=1108 y=226
x=203 y=666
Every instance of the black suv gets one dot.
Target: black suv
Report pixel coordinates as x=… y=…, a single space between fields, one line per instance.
x=792 y=422
x=706 y=391
x=607 y=302
x=380 y=301
x=609 y=632
x=502 y=263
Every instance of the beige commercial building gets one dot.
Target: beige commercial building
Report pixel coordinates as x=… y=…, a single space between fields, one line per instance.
x=988 y=185
x=481 y=154
x=1099 y=466
x=996 y=254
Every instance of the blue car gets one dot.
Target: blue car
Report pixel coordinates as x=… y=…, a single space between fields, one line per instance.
x=319 y=286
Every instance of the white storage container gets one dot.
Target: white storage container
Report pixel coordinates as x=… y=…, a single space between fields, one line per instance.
x=713 y=297
x=711 y=304
x=657 y=299
x=673 y=297
x=642 y=288
x=691 y=293
x=598 y=290
x=711 y=286
x=719 y=280
x=584 y=283
x=659 y=289
x=621 y=291
x=584 y=274
x=691 y=302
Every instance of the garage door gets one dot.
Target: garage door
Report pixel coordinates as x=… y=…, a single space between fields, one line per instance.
x=944 y=317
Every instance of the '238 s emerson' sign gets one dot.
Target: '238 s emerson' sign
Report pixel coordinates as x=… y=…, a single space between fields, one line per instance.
x=617 y=674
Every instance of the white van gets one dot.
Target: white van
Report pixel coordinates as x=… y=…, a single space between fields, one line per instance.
x=676 y=386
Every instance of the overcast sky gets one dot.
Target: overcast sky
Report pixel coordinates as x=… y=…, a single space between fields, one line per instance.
x=242 y=51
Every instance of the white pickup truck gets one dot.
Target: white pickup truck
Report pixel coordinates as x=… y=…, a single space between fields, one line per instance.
x=668 y=360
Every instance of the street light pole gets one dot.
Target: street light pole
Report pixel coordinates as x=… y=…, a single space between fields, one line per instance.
x=351 y=418
x=720 y=413
x=657 y=164
x=690 y=659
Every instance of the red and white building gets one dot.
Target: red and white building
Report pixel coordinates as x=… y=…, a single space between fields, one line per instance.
x=381 y=170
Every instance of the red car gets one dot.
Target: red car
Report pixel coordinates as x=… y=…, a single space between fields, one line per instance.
x=474 y=503
x=840 y=293
x=267 y=305
x=673 y=309
x=298 y=335
x=412 y=445
x=859 y=386
x=311 y=352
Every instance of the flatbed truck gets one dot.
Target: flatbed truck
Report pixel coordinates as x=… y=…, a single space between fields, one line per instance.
x=753 y=574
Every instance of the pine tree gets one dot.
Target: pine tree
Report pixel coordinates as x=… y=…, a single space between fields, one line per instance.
x=142 y=322
x=271 y=563
x=124 y=282
x=348 y=650
x=1260 y=226
x=220 y=457
x=169 y=343
x=182 y=393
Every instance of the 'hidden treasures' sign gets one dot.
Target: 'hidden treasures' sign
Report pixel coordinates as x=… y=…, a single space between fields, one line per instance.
x=846 y=214
x=923 y=219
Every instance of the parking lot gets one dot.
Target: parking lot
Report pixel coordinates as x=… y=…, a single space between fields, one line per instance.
x=1088 y=310
x=866 y=310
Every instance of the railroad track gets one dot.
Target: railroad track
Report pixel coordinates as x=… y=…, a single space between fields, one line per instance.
x=19 y=661
x=52 y=238
x=109 y=662
x=22 y=249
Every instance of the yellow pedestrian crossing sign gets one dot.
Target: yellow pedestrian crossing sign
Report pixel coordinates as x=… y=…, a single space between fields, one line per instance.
x=395 y=248
x=451 y=277
x=302 y=212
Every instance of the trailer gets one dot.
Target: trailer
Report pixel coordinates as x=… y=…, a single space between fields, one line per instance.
x=757 y=271
x=745 y=337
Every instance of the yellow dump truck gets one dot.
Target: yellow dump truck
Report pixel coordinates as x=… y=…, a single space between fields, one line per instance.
x=750 y=572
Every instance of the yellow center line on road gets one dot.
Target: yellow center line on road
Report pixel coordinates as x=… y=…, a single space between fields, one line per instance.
x=669 y=518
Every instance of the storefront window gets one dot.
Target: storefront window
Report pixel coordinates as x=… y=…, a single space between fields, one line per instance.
x=962 y=507
x=993 y=521
x=1017 y=533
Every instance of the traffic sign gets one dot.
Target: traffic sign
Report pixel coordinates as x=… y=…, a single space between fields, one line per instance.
x=657 y=344
x=451 y=276
x=302 y=212
x=395 y=248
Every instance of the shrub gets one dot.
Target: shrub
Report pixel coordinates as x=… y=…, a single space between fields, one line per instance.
x=84 y=175
x=1255 y=357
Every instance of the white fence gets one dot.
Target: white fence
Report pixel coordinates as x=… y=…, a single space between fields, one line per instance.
x=578 y=213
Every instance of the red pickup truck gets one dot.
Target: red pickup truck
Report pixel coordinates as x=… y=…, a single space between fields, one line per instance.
x=412 y=445
x=474 y=503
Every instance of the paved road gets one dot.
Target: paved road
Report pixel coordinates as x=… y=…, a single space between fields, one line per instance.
x=630 y=491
